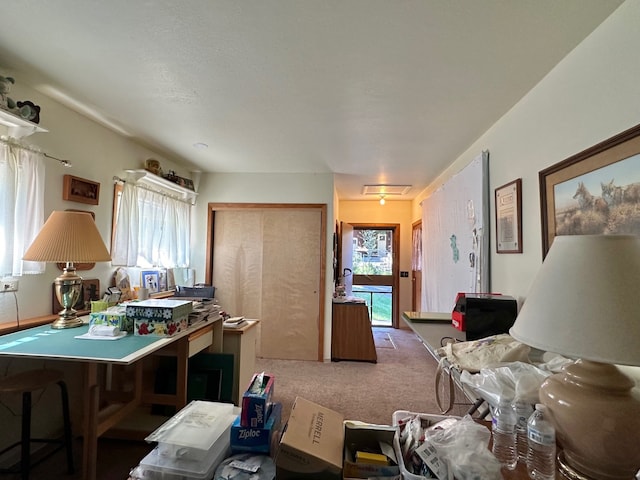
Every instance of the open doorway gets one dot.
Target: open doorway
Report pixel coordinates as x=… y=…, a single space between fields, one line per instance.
x=370 y=269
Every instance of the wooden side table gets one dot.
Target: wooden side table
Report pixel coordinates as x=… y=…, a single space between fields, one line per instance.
x=241 y=342
x=351 y=334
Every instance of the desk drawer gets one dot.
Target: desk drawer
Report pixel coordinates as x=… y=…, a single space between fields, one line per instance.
x=200 y=340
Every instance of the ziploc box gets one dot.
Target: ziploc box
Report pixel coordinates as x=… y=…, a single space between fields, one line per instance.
x=365 y=437
x=255 y=405
x=256 y=440
x=161 y=317
x=311 y=445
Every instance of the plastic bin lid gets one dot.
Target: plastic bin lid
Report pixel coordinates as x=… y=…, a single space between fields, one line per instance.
x=198 y=425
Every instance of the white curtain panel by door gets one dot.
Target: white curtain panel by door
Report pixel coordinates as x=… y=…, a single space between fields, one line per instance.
x=455 y=242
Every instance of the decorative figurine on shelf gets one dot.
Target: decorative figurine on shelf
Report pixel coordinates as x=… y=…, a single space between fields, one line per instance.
x=29 y=111
x=24 y=109
x=6 y=102
x=152 y=165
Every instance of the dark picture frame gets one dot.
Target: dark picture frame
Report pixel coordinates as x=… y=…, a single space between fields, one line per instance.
x=81 y=190
x=508 y=205
x=596 y=191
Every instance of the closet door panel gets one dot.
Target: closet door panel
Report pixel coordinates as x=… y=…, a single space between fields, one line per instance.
x=290 y=284
x=237 y=262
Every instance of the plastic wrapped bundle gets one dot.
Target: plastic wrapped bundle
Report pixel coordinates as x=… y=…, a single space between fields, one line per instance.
x=246 y=466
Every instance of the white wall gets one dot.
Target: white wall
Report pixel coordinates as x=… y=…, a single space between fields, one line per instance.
x=593 y=94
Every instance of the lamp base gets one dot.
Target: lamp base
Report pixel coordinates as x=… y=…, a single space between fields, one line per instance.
x=68 y=288
x=67 y=321
x=567 y=470
x=595 y=409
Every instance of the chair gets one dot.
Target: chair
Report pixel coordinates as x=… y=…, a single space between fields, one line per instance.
x=25 y=383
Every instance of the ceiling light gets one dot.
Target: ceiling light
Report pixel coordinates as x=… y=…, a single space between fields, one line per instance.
x=200 y=145
x=384 y=189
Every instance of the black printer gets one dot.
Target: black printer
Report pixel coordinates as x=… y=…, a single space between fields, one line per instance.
x=480 y=315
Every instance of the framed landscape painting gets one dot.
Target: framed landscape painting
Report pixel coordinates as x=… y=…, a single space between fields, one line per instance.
x=596 y=191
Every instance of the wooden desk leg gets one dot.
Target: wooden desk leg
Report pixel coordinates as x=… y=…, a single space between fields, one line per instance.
x=183 y=373
x=90 y=422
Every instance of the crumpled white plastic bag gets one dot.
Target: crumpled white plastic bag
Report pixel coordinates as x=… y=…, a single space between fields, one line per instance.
x=515 y=381
x=464 y=448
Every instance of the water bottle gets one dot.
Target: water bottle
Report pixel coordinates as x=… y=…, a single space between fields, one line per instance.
x=523 y=411
x=541 y=435
x=503 y=428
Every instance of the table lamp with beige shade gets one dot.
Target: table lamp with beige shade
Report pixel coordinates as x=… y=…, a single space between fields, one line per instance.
x=583 y=304
x=68 y=237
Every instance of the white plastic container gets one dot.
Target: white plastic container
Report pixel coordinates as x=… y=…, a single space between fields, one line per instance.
x=398 y=416
x=161 y=467
x=192 y=432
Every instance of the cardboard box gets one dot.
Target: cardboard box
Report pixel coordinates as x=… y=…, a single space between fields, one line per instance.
x=366 y=437
x=159 y=316
x=255 y=405
x=256 y=440
x=312 y=444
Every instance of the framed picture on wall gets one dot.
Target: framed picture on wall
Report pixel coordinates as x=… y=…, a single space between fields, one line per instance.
x=509 y=217
x=596 y=191
x=80 y=190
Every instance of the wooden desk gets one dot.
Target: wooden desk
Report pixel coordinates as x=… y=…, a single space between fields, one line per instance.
x=241 y=342
x=103 y=410
x=351 y=335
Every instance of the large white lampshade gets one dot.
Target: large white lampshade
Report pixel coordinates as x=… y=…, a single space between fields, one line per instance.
x=583 y=304
x=68 y=237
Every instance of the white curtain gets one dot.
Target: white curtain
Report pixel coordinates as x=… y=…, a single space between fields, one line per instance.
x=22 y=177
x=455 y=246
x=152 y=229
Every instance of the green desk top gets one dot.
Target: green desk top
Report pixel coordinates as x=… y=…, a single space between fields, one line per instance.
x=46 y=342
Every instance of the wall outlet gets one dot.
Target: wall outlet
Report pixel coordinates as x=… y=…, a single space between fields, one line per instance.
x=8 y=285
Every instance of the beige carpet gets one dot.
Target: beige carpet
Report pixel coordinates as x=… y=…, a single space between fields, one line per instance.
x=382 y=339
x=403 y=379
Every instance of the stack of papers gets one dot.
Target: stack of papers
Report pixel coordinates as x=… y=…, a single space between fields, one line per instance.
x=234 y=322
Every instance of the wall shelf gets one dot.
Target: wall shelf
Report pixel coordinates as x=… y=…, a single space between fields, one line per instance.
x=18 y=127
x=156 y=182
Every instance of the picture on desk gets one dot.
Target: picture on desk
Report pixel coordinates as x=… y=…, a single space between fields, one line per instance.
x=150 y=279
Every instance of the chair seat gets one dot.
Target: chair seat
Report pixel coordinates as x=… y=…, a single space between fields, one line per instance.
x=30 y=381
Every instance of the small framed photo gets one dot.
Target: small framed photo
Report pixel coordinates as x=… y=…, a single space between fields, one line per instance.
x=509 y=217
x=162 y=280
x=80 y=190
x=150 y=279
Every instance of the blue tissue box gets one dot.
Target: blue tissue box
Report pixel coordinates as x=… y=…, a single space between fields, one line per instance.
x=256 y=440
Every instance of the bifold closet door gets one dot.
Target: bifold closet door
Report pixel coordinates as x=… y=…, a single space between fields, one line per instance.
x=266 y=265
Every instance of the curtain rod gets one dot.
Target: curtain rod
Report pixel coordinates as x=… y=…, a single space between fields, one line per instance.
x=16 y=143
x=117 y=179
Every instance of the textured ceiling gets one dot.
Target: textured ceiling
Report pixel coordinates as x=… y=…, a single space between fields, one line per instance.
x=376 y=91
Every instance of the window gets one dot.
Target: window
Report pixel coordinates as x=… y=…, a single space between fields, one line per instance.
x=22 y=177
x=151 y=229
